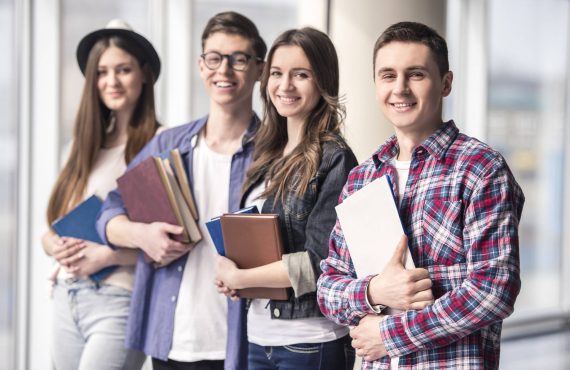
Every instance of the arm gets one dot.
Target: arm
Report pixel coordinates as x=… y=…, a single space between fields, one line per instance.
x=487 y=294
x=115 y=228
x=272 y=275
x=154 y=238
x=94 y=258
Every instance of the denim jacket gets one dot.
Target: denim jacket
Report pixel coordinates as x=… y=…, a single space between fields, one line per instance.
x=307 y=221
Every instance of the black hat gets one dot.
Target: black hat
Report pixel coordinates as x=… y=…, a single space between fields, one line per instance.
x=118 y=27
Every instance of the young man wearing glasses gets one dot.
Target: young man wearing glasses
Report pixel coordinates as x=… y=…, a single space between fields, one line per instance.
x=176 y=316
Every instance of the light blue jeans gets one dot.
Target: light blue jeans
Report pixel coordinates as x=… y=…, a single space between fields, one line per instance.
x=89 y=323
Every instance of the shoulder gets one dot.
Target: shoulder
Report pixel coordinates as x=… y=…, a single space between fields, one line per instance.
x=336 y=153
x=178 y=136
x=474 y=156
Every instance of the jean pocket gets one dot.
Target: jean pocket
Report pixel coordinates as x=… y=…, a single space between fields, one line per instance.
x=304 y=348
x=113 y=291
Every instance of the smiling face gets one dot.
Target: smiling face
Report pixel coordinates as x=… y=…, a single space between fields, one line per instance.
x=225 y=86
x=410 y=88
x=119 y=80
x=291 y=86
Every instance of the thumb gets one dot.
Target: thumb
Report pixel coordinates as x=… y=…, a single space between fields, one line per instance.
x=400 y=252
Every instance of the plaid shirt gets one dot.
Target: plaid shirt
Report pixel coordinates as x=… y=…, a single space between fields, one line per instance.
x=460 y=210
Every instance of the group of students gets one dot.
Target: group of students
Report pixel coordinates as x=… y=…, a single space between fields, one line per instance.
x=458 y=202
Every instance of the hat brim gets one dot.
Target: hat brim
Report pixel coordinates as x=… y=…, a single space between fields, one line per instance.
x=88 y=41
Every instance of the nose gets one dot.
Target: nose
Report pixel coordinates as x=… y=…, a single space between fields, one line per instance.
x=112 y=78
x=402 y=87
x=286 y=83
x=224 y=67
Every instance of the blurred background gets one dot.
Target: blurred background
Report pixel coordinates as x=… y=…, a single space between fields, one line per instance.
x=511 y=89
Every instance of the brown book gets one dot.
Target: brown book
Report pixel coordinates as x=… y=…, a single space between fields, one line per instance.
x=253 y=240
x=180 y=172
x=151 y=194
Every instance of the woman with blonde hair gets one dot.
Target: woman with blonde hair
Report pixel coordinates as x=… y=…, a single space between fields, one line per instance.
x=116 y=118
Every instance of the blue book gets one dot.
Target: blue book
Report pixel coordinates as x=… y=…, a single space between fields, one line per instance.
x=214 y=227
x=80 y=223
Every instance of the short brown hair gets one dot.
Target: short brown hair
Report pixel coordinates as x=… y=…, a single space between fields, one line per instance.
x=415 y=32
x=235 y=24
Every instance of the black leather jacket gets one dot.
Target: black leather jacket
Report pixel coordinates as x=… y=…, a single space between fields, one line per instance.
x=306 y=222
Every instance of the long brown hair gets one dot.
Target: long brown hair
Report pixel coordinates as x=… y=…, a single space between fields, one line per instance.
x=294 y=171
x=91 y=124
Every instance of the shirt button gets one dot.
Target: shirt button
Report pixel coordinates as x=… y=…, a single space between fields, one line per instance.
x=276 y=312
x=179 y=268
x=173 y=298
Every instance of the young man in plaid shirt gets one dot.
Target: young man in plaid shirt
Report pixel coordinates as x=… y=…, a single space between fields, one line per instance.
x=460 y=207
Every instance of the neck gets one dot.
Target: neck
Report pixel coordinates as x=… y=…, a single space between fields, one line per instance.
x=408 y=141
x=224 y=129
x=119 y=135
x=294 y=132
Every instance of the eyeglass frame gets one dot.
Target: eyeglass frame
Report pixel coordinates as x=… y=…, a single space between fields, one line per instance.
x=231 y=59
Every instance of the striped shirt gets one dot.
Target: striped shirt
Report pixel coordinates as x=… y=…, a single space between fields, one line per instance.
x=460 y=211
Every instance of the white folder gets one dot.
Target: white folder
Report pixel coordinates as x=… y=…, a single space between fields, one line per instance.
x=372 y=227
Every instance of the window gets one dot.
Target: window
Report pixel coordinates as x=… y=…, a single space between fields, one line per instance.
x=8 y=183
x=528 y=74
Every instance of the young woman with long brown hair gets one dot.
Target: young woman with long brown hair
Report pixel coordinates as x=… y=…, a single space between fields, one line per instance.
x=116 y=118
x=301 y=162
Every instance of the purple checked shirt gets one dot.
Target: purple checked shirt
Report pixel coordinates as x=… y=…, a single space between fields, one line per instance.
x=460 y=211
x=151 y=318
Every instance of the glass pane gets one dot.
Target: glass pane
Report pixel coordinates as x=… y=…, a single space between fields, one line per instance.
x=78 y=18
x=270 y=17
x=527 y=93
x=8 y=184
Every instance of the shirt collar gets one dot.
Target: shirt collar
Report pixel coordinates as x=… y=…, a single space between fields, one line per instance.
x=436 y=145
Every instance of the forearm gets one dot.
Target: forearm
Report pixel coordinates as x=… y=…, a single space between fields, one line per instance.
x=273 y=275
x=122 y=232
x=464 y=310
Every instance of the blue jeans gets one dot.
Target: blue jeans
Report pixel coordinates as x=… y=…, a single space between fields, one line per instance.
x=335 y=355
x=89 y=323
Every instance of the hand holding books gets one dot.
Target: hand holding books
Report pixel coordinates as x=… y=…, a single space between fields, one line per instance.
x=157 y=195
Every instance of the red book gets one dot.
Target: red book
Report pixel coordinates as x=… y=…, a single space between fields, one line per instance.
x=151 y=194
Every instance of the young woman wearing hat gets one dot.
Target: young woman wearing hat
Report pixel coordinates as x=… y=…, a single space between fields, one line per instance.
x=301 y=162
x=116 y=118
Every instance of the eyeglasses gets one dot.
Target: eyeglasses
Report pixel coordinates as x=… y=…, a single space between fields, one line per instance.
x=237 y=60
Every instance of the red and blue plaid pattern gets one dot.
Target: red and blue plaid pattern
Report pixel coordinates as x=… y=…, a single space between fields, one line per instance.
x=460 y=210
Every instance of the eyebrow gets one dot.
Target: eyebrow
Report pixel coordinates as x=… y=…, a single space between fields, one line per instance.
x=295 y=69
x=412 y=68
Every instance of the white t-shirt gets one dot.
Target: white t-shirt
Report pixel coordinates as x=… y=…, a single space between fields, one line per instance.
x=265 y=331
x=200 y=326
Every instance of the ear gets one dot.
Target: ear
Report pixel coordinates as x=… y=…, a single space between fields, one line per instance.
x=260 y=68
x=447 y=82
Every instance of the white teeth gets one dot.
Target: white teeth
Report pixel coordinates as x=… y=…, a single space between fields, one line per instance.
x=287 y=99
x=224 y=84
x=402 y=105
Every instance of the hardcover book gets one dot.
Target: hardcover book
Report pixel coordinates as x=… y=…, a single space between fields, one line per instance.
x=151 y=193
x=214 y=227
x=253 y=240
x=80 y=223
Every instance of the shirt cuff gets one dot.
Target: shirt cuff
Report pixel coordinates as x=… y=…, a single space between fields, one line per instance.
x=300 y=271
x=375 y=308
